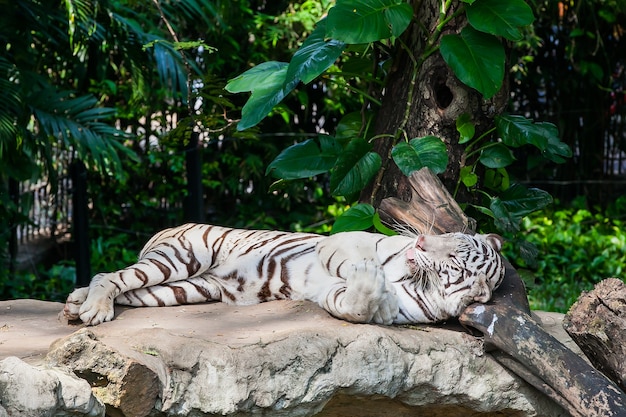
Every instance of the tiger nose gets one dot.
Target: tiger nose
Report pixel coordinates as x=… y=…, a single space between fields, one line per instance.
x=420 y=243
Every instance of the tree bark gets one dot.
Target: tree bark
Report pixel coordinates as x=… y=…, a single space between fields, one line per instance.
x=426 y=99
x=597 y=323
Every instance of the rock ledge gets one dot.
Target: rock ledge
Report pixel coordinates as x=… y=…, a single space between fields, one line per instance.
x=284 y=358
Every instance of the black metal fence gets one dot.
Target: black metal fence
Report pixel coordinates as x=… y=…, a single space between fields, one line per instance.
x=50 y=212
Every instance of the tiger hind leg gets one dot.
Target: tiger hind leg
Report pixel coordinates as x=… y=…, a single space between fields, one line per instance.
x=189 y=291
x=365 y=297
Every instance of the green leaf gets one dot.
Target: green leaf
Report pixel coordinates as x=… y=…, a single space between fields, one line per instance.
x=379 y=226
x=268 y=86
x=515 y=203
x=555 y=151
x=358 y=217
x=497 y=179
x=351 y=126
x=483 y=210
x=468 y=177
x=517 y=131
x=500 y=18
x=256 y=77
x=476 y=58
x=465 y=127
x=364 y=21
x=355 y=168
x=428 y=151
x=316 y=55
x=496 y=156
x=306 y=159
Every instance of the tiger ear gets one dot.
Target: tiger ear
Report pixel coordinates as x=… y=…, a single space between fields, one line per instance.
x=495 y=241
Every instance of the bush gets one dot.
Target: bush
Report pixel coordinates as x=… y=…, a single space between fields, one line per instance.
x=577 y=248
x=53 y=284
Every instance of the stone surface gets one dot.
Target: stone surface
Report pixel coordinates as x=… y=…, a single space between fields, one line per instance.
x=26 y=390
x=27 y=327
x=284 y=358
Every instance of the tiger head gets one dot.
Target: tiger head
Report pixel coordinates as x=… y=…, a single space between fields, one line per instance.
x=462 y=268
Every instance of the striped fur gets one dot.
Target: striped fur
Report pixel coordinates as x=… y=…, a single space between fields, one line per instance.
x=357 y=276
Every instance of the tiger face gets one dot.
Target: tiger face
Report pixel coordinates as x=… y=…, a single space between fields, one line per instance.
x=458 y=265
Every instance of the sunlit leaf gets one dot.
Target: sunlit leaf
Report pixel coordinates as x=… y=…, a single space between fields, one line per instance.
x=357 y=217
x=468 y=177
x=267 y=83
x=364 y=21
x=314 y=56
x=380 y=227
x=465 y=127
x=476 y=58
x=258 y=77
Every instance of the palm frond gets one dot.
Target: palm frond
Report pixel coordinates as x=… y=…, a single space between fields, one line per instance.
x=79 y=124
x=10 y=105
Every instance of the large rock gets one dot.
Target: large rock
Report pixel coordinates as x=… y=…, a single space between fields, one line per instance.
x=29 y=391
x=284 y=358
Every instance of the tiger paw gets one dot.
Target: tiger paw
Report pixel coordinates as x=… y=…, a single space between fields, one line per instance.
x=98 y=307
x=368 y=298
x=94 y=312
x=73 y=303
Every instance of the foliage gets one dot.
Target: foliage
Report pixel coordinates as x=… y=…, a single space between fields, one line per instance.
x=477 y=57
x=577 y=248
x=61 y=78
x=52 y=284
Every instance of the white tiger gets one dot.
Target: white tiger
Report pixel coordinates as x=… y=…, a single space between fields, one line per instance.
x=357 y=276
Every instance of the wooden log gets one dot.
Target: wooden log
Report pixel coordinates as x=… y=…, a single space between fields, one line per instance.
x=597 y=323
x=431 y=209
x=505 y=321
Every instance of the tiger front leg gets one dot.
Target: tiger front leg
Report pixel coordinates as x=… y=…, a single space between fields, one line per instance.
x=365 y=297
x=97 y=307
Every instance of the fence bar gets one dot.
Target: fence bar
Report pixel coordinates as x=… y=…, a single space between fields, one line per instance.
x=193 y=204
x=81 y=223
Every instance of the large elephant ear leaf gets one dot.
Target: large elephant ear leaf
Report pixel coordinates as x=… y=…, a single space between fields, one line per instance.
x=315 y=55
x=358 y=217
x=305 y=159
x=267 y=82
x=356 y=167
x=365 y=21
x=477 y=59
x=429 y=151
x=515 y=203
x=500 y=18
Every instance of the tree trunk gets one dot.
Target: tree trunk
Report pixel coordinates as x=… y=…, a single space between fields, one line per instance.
x=597 y=323
x=423 y=100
